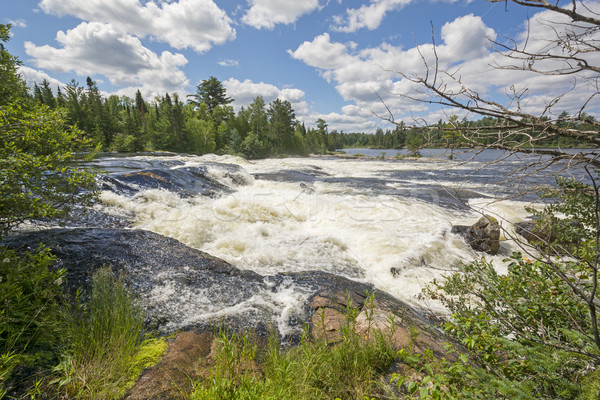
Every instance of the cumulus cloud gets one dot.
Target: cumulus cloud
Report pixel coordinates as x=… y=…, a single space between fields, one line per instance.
x=245 y=91
x=322 y=53
x=466 y=38
x=229 y=63
x=196 y=24
x=346 y=122
x=366 y=16
x=370 y=77
x=268 y=13
x=96 y=48
x=32 y=76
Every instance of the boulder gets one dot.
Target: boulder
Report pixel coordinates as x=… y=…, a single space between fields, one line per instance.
x=561 y=234
x=484 y=235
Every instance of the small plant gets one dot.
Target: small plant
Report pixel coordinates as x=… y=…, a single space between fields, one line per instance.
x=31 y=297
x=106 y=350
x=348 y=368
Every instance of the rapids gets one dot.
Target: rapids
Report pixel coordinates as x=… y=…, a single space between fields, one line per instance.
x=360 y=219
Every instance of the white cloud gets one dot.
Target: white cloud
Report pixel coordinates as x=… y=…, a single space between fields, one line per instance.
x=268 y=13
x=196 y=24
x=245 y=91
x=32 y=76
x=466 y=38
x=95 y=48
x=366 y=16
x=371 y=75
x=229 y=63
x=18 y=23
x=322 y=53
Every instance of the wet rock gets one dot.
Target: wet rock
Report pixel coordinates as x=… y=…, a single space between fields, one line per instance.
x=184 y=288
x=484 y=235
x=287 y=176
x=186 y=181
x=178 y=286
x=404 y=324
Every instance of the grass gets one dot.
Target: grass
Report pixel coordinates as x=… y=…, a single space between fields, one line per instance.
x=50 y=349
x=107 y=350
x=351 y=368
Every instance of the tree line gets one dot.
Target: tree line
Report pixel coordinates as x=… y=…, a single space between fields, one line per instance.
x=205 y=122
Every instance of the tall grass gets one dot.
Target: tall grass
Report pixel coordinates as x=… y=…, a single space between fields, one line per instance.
x=105 y=337
x=350 y=368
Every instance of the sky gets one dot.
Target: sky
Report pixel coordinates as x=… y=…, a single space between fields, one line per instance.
x=339 y=60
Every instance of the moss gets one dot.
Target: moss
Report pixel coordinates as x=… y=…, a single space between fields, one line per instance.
x=494 y=220
x=590 y=386
x=150 y=352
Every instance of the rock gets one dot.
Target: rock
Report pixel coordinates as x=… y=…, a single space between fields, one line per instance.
x=484 y=235
x=527 y=229
x=328 y=311
x=185 y=181
x=185 y=289
x=541 y=233
x=175 y=372
x=180 y=287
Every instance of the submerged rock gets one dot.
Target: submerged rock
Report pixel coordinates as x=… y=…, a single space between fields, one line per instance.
x=483 y=235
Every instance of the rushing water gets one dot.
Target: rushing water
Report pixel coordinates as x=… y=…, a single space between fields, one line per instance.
x=361 y=219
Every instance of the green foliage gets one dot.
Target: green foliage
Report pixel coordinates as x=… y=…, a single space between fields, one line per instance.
x=210 y=92
x=281 y=124
x=315 y=369
x=201 y=135
x=104 y=336
x=95 y=351
x=568 y=223
x=535 y=325
x=11 y=84
x=37 y=179
x=37 y=149
x=31 y=297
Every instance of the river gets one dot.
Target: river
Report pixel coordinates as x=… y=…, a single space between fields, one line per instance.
x=382 y=221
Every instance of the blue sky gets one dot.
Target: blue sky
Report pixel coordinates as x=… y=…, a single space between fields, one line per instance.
x=330 y=58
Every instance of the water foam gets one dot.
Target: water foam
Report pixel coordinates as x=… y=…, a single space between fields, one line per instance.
x=275 y=226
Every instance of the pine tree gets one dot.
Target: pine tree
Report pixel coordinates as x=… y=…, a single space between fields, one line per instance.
x=210 y=92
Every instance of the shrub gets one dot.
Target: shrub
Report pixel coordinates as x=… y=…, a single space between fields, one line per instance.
x=31 y=298
x=535 y=327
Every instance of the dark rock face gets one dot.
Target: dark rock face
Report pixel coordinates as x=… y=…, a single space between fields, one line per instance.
x=185 y=181
x=184 y=288
x=543 y=233
x=181 y=287
x=484 y=235
x=174 y=281
x=527 y=229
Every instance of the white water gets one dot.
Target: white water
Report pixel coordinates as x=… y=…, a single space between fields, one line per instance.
x=272 y=226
